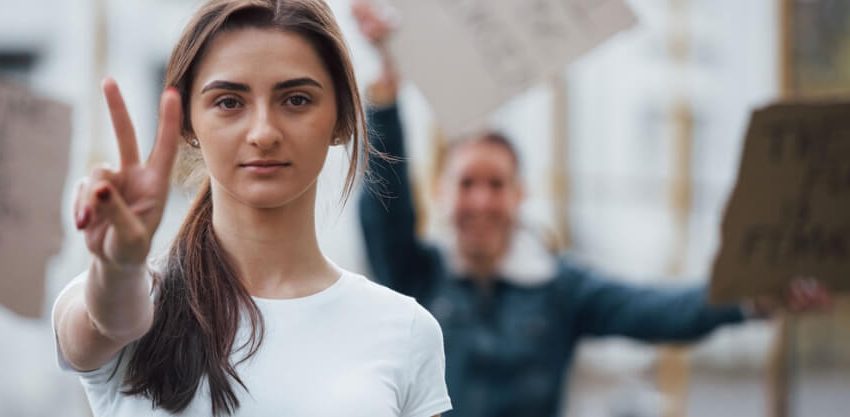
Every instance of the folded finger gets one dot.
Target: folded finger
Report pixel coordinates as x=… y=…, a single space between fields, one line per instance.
x=104 y=172
x=81 y=212
x=111 y=207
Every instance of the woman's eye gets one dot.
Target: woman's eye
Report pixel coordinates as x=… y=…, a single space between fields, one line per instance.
x=228 y=103
x=298 y=101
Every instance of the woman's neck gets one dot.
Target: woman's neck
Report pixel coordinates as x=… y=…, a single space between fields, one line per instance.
x=275 y=250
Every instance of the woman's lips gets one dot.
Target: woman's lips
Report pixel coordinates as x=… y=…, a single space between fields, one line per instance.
x=265 y=166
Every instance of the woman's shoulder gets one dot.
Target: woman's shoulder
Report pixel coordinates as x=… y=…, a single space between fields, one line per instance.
x=419 y=323
x=377 y=292
x=383 y=297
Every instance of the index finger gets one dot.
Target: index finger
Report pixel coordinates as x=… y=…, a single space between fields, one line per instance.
x=164 y=150
x=125 y=135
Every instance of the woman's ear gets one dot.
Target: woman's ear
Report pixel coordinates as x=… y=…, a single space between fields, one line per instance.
x=189 y=137
x=341 y=135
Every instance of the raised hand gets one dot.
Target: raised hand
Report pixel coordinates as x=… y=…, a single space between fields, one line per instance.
x=120 y=210
x=374 y=26
x=377 y=28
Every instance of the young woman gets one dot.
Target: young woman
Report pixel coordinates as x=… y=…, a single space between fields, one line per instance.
x=246 y=316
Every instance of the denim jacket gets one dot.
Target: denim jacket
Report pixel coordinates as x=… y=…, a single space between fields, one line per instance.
x=508 y=345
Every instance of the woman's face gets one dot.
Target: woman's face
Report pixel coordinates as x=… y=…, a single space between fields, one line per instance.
x=263 y=108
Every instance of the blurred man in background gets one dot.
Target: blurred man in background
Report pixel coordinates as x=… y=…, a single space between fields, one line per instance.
x=511 y=316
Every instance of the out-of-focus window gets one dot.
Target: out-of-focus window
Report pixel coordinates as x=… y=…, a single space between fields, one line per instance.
x=17 y=65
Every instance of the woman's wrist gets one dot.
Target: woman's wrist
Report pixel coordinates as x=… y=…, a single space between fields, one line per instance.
x=115 y=272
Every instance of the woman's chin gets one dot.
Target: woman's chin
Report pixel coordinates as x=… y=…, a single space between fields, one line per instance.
x=267 y=203
x=268 y=196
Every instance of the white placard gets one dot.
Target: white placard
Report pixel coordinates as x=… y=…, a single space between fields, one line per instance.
x=470 y=56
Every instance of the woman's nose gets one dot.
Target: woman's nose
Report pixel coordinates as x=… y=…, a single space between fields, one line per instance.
x=264 y=131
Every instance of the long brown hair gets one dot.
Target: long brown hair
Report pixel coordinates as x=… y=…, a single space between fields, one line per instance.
x=201 y=301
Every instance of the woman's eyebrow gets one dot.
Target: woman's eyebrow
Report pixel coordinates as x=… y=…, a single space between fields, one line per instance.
x=225 y=85
x=244 y=88
x=297 y=82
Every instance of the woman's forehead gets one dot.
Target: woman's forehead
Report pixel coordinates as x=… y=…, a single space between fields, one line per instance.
x=254 y=55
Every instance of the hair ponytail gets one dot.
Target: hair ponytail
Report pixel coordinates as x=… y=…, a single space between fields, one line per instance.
x=199 y=305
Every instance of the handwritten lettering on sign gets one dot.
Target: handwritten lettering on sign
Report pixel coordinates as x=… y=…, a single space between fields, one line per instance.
x=789 y=214
x=497 y=50
x=34 y=142
x=470 y=56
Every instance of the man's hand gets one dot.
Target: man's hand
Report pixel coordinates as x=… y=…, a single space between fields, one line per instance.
x=378 y=28
x=804 y=295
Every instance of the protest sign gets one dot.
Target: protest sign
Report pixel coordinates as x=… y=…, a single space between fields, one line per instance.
x=34 y=142
x=470 y=56
x=789 y=214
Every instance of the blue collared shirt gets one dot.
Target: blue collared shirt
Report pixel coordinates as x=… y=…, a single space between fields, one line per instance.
x=509 y=345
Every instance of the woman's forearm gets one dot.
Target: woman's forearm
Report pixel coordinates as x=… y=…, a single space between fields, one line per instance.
x=118 y=301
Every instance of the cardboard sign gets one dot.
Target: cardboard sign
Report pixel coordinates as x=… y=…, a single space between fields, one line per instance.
x=470 y=56
x=789 y=215
x=34 y=141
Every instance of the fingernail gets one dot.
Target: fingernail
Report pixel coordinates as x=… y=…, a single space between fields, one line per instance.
x=83 y=218
x=103 y=195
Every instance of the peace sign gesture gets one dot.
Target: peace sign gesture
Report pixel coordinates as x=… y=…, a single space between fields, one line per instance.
x=119 y=210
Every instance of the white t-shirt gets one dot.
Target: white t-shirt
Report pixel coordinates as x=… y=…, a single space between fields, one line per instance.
x=356 y=349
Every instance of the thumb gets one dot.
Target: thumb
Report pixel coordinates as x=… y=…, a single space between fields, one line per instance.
x=129 y=236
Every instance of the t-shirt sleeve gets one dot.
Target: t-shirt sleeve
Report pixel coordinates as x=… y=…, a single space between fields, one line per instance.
x=90 y=377
x=60 y=358
x=426 y=394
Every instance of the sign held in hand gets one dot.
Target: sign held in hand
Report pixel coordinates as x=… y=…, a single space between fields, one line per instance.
x=470 y=56
x=789 y=214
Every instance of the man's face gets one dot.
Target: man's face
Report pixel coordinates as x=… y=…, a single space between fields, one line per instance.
x=481 y=189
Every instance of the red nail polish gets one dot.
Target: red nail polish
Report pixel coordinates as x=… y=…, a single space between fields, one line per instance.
x=103 y=194
x=83 y=219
